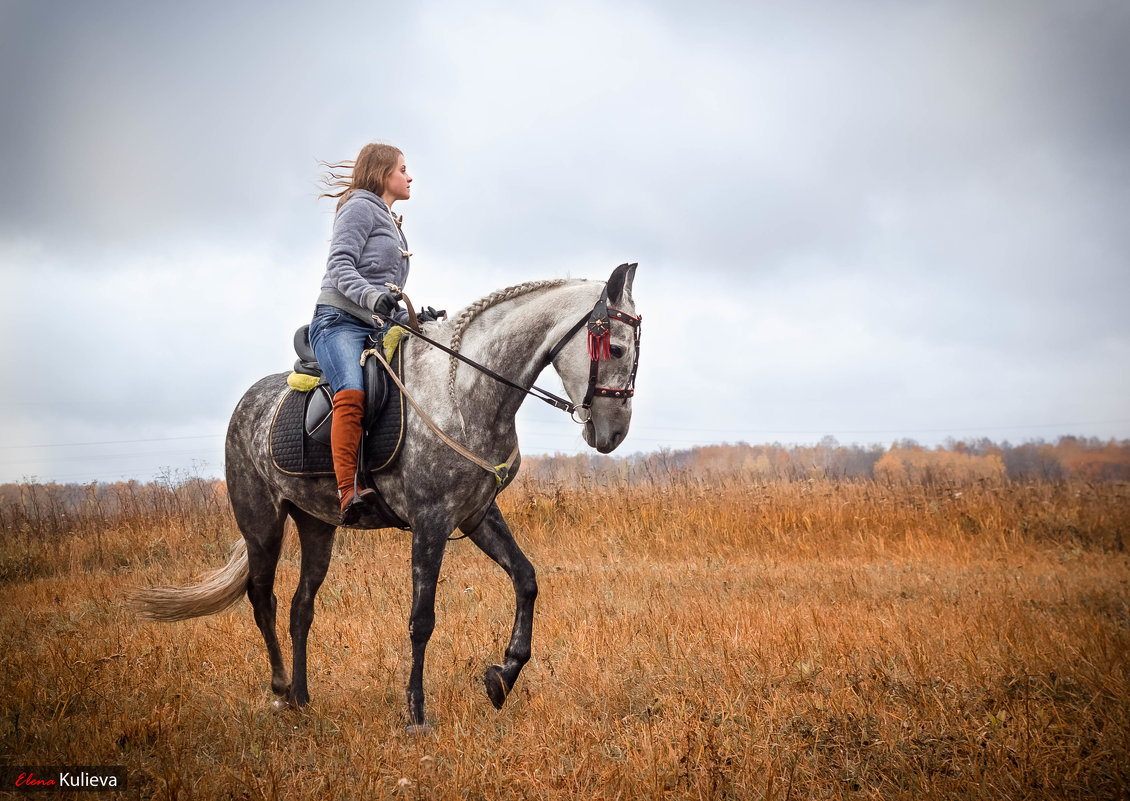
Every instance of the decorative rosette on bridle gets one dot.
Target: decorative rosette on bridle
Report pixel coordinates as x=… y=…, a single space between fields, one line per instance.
x=600 y=330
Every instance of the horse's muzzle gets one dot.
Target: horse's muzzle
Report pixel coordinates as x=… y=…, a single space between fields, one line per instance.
x=603 y=436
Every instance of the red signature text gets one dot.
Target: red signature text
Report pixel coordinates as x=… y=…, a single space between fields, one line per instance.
x=29 y=780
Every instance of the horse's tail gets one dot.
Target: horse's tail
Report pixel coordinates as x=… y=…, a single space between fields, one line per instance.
x=214 y=593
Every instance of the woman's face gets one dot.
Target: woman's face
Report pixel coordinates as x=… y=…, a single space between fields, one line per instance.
x=398 y=185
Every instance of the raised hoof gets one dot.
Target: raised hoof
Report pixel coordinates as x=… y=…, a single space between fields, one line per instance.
x=418 y=728
x=496 y=687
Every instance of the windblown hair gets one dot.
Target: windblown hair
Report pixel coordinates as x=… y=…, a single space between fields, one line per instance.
x=465 y=317
x=372 y=167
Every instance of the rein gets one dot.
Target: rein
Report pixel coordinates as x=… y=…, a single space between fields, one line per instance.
x=599 y=325
x=535 y=391
x=501 y=471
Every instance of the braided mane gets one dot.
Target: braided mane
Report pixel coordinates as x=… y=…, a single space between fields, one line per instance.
x=465 y=317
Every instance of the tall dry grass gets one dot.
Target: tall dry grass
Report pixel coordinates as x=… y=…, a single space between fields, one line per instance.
x=692 y=640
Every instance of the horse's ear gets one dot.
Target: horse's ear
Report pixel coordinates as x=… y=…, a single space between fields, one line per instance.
x=620 y=282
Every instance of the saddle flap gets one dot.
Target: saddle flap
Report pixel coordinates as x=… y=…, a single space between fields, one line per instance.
x=319 y=413
x=376 y=385
x=318 y=416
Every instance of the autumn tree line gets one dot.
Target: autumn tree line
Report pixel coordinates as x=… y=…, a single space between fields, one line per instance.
x=202 y=502
x=903 y=462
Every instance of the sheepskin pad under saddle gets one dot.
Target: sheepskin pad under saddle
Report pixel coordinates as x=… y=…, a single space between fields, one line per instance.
x=300 y=432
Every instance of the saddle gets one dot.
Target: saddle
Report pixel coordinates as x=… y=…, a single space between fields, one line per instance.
x=300 y=431
x=319 y=406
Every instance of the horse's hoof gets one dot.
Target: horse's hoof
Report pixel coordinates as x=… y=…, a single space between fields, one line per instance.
x=280 y=705
x=418 y=728
x=496 y=687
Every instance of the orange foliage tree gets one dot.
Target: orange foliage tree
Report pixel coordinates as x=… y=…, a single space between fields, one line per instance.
x=919 y=466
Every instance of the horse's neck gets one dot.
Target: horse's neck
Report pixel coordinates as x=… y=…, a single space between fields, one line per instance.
x=514 y=337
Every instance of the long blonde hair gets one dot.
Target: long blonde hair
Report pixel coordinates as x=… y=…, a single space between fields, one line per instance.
x=372 y=167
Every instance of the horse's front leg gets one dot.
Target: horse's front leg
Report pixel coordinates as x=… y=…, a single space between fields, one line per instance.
x=428 y=543
x=493 y=536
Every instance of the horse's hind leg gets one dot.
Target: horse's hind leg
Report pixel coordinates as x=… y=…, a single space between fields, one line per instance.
x=493 y=536
x=261 y=523
x=317 y=539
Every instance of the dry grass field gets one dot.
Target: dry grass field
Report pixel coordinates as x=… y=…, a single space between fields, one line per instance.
x=724 y=640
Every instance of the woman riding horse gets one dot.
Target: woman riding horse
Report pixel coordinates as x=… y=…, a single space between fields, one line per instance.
x=506 y=339
x=368 y=252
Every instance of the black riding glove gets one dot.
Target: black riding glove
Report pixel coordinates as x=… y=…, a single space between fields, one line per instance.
x=385 y=306
x=427 y=314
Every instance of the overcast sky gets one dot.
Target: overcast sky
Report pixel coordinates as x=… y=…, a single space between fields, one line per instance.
x=874 y=220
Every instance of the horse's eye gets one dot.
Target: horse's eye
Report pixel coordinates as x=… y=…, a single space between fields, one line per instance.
x=617 y=351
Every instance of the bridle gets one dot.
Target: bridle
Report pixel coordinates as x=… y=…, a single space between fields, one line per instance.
x=599 y=324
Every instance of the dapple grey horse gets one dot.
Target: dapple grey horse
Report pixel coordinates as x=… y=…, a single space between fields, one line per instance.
x=512 y=332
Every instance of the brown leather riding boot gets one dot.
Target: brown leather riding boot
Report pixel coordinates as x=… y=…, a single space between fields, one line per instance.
x=345 y=441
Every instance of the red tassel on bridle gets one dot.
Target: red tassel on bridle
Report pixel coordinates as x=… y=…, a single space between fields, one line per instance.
x=600 y=331
x=600 y=346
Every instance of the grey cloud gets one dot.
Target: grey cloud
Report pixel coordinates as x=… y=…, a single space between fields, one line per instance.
x=932 y=192
x=901 y=116
x=137 y=122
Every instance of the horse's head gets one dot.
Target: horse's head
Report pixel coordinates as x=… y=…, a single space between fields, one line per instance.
x=598 y=371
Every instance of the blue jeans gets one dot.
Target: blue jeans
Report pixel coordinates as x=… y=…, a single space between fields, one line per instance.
x=338 y=339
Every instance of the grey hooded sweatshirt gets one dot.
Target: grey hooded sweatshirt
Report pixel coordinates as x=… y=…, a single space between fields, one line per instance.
x=368 y=249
